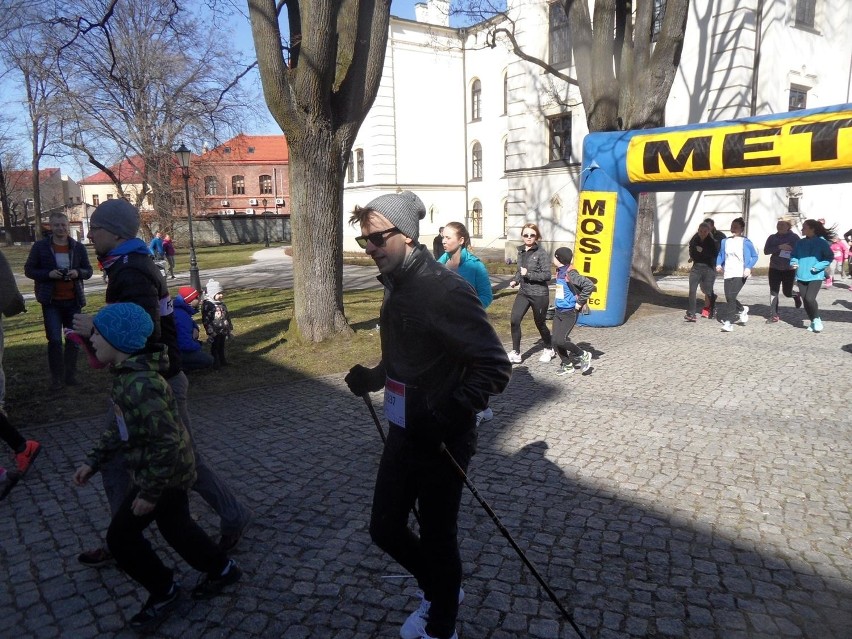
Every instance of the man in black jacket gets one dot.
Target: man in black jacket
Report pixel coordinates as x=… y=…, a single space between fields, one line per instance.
x=441 y=360
x=133 y=277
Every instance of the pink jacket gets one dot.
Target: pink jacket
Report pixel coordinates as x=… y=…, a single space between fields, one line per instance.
x=840 y=250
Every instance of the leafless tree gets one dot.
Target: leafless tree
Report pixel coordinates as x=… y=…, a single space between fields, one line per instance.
x=319 y=88
x=139 y=77
x=626 y=55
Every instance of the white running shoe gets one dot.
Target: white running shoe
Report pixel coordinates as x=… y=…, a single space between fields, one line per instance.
x=415 y=626
x=547 y=354
x=744 y=315
x=727 y=327
x=515 y=357
x=485 y=415
x=585 y=361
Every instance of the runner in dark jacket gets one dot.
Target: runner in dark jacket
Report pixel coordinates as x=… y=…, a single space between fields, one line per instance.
x=531 y=279
x=441 y=360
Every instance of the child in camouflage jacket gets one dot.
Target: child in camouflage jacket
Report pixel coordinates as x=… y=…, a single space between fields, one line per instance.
x=158 y=449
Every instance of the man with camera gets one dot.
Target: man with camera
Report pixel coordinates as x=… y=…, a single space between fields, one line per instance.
x=58 y=265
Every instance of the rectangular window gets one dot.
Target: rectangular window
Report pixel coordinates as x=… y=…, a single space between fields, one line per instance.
x=109 y=196
x=559 y=45
x=793 y=205
x=238 y=185
x=798 y=98
x=350 y=169
x=265 y=183
x=474 y=220
x=96 y=199
x=657 y=24
x=805 y=13
x=560 y=137
x=211 y=185
x=359 y=165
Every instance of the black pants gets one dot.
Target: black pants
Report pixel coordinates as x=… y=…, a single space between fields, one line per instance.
x=134 y=555
x=10 y=434
x=809 y=292
x=407 y=475
x=779 y=280
x=217 y=350
x=563 y=324
x=538 y=303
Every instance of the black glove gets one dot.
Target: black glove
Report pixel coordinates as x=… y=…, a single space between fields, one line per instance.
x=362 y=380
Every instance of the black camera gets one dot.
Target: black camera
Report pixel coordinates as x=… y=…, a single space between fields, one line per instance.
x=65 y=275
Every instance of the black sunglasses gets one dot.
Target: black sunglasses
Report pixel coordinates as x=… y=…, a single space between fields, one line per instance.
x=377 y=239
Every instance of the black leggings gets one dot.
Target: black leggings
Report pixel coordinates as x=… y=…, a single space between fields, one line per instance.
x=809 y=291
x=563 y=324
x=522 y=304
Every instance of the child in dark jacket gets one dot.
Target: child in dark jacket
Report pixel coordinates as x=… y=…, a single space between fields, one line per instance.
x=217 y=322
x=157 y=448
x=572 y=292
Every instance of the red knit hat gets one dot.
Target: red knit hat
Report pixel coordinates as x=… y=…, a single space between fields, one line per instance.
x=187 y=293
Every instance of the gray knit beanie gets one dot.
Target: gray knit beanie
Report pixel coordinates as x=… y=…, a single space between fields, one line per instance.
x=117 y=216
x=403 y=210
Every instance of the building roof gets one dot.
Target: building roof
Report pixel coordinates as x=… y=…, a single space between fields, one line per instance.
x=250 y=148
x=127 y=171
x=23 y=180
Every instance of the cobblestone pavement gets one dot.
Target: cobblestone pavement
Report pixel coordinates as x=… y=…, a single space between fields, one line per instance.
x=693 y=484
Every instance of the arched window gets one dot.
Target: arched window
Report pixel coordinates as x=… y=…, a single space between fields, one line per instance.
x=476 y=100
x=474 y=219
x=238 y=185
x=211 y=185
x=476 y=162
x=265 y=183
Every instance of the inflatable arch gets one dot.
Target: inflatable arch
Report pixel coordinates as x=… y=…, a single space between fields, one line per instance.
x=812 y=146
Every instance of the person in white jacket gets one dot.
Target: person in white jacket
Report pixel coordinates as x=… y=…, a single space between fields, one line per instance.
x=737 y=256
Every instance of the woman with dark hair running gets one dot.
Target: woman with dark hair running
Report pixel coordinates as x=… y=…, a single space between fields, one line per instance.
x=531 y=279
x=810 y=257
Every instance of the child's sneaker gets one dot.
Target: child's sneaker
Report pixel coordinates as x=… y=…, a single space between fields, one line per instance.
x=816 y=325
x=564 y=369
x=208 y=587
x=705 y=312
x=690 y=317
x=26 y=457
x=727 y=327
x=744 y=315
x=156 y=610
x=585 y=361
x=515 y=357
x=773 y=319
x=547 y=354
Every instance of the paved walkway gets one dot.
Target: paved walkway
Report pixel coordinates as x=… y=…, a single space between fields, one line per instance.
x=694 y=484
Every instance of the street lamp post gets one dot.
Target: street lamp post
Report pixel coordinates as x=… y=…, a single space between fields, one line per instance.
x=265 y=226
x=183 y=155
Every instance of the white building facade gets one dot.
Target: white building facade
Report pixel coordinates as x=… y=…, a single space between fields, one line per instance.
x=492 y=140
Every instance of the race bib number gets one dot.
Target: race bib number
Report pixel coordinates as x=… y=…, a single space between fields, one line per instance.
x=785 y=254
x=395 y=402
x=560 y=292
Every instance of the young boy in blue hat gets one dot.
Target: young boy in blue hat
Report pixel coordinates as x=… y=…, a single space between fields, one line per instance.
x=157 y=448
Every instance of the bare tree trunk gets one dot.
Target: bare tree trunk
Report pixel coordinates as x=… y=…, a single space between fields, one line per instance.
x=641 y=269
x=317 y=199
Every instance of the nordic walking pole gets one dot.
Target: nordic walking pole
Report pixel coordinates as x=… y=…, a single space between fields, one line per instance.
x=369 y=404
x=514 y=544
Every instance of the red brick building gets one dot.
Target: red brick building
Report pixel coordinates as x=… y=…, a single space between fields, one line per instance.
x=246 y=175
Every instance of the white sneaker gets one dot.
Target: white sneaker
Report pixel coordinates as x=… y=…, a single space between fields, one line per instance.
x=484 y=416
x=415 y=626
x=744 y=315
x=515 y=357
x=726 y=326
x=585 y=361
x=547 y=354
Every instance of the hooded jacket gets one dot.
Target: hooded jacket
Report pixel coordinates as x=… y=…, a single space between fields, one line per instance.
x=133 y=277
x=147 y=430
x=811 y=256
x=473 y=270
x=186 y=326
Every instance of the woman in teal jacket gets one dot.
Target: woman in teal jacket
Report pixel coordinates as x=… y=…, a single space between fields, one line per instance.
x=810 y=257
x=457 y=257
